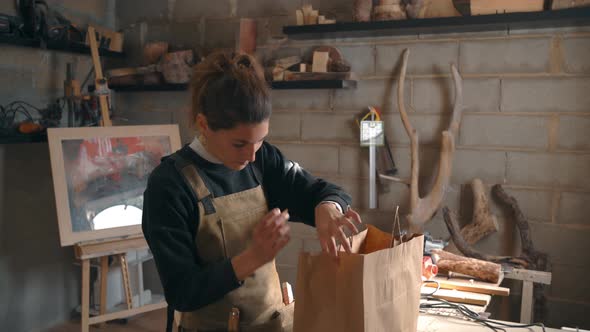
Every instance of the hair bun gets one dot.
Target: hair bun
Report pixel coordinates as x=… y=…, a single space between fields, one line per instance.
x=243 y=61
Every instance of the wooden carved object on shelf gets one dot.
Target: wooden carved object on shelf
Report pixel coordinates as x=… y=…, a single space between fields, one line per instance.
x=480 y=269
x=362 y=10
x=176 y=66
x=530 y=258
x=389 y=10
x=483 y=222
x=431 y=8
x=423 y=209
x=152 y=52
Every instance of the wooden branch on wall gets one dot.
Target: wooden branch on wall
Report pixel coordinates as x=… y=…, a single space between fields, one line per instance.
x=423 y=209
x=483 y=222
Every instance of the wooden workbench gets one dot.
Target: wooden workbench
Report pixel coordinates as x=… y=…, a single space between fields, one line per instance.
x=431 y=323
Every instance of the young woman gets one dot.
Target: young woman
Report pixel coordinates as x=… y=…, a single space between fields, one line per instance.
x=215 y=211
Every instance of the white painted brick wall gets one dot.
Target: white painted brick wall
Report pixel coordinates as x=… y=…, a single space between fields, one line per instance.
x=576 y=54
x=314 y=158
x=544 y=169
x=301 y=100
x=328 y=126
x=505 y=56
x=433 y=95
x=562 y=279
x=546 y=95
x=480 y=94
x=536 y=205
x=507 y=131
x=285 y=126
x=574 y=208
x=486 y=165
x=574 y=132
x=369 y=92
x=425 y=58
x=429 y=127
x=563 y=244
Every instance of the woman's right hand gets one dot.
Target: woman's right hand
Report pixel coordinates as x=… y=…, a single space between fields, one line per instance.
x=270 y=235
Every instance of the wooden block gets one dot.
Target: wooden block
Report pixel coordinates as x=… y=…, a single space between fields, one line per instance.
x=299 y=17
x=459 y=296
x=109 y=247
x=320 y=62
x=247 y=40
x=302 y=67
x=486 y=7
x=330 y=21
x=313 y=17
x=321 y=19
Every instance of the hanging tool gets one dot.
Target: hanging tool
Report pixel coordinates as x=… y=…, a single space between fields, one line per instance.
x=372 y=135
x=102 y=89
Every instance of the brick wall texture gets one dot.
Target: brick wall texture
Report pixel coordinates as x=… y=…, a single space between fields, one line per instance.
x=526 y=123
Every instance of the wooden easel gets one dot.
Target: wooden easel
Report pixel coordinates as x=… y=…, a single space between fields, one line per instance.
x=109 y=247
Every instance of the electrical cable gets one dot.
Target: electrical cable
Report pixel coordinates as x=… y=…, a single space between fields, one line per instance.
x=468 y=313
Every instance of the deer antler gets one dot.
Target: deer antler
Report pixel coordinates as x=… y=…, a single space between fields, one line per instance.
x=422 y=209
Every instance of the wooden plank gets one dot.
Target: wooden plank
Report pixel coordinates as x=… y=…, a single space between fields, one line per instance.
x=459 y=296
x=99 y=78
x=526 y=304
x=109 y=247
x=128 y=313
x=529 y=275
x=104 y=272
x=126 y=281
x=85 y=295
x=474 y=287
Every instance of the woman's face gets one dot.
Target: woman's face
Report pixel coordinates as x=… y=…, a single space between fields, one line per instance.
x=235 y=147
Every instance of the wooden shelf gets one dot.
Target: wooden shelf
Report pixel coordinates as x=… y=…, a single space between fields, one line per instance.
x=311 y=84
x=479 y=23
x=146 y=87
x=71 y=47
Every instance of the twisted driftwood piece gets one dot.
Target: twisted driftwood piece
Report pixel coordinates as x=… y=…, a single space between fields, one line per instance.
x=423 y=209
x=529 y=258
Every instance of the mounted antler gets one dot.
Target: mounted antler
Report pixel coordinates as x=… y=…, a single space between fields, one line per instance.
x=422 y=209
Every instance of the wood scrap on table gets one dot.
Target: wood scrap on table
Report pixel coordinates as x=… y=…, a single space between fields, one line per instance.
x=483 y=270
x=469 y=285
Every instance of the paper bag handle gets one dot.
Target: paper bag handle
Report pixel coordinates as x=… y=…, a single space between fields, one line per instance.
x=396 y=221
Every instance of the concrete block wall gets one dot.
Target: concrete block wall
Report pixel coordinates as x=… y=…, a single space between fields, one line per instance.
x=39 y=283
x=526 y=123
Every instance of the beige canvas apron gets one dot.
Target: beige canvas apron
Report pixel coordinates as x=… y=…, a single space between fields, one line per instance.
x=225 y=230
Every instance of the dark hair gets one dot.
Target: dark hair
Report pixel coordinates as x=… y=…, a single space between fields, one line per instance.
x=230 y=89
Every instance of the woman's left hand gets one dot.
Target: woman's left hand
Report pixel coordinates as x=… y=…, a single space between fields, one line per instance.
x=329 y=222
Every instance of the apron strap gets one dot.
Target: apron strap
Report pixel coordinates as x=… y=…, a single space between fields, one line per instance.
x=191 y=176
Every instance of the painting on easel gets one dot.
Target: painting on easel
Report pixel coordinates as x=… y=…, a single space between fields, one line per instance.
x=99 y=175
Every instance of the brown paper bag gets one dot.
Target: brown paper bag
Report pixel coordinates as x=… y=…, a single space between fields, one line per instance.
x=377 y=291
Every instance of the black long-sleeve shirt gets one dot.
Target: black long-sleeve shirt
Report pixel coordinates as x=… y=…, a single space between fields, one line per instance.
x=171 y=218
